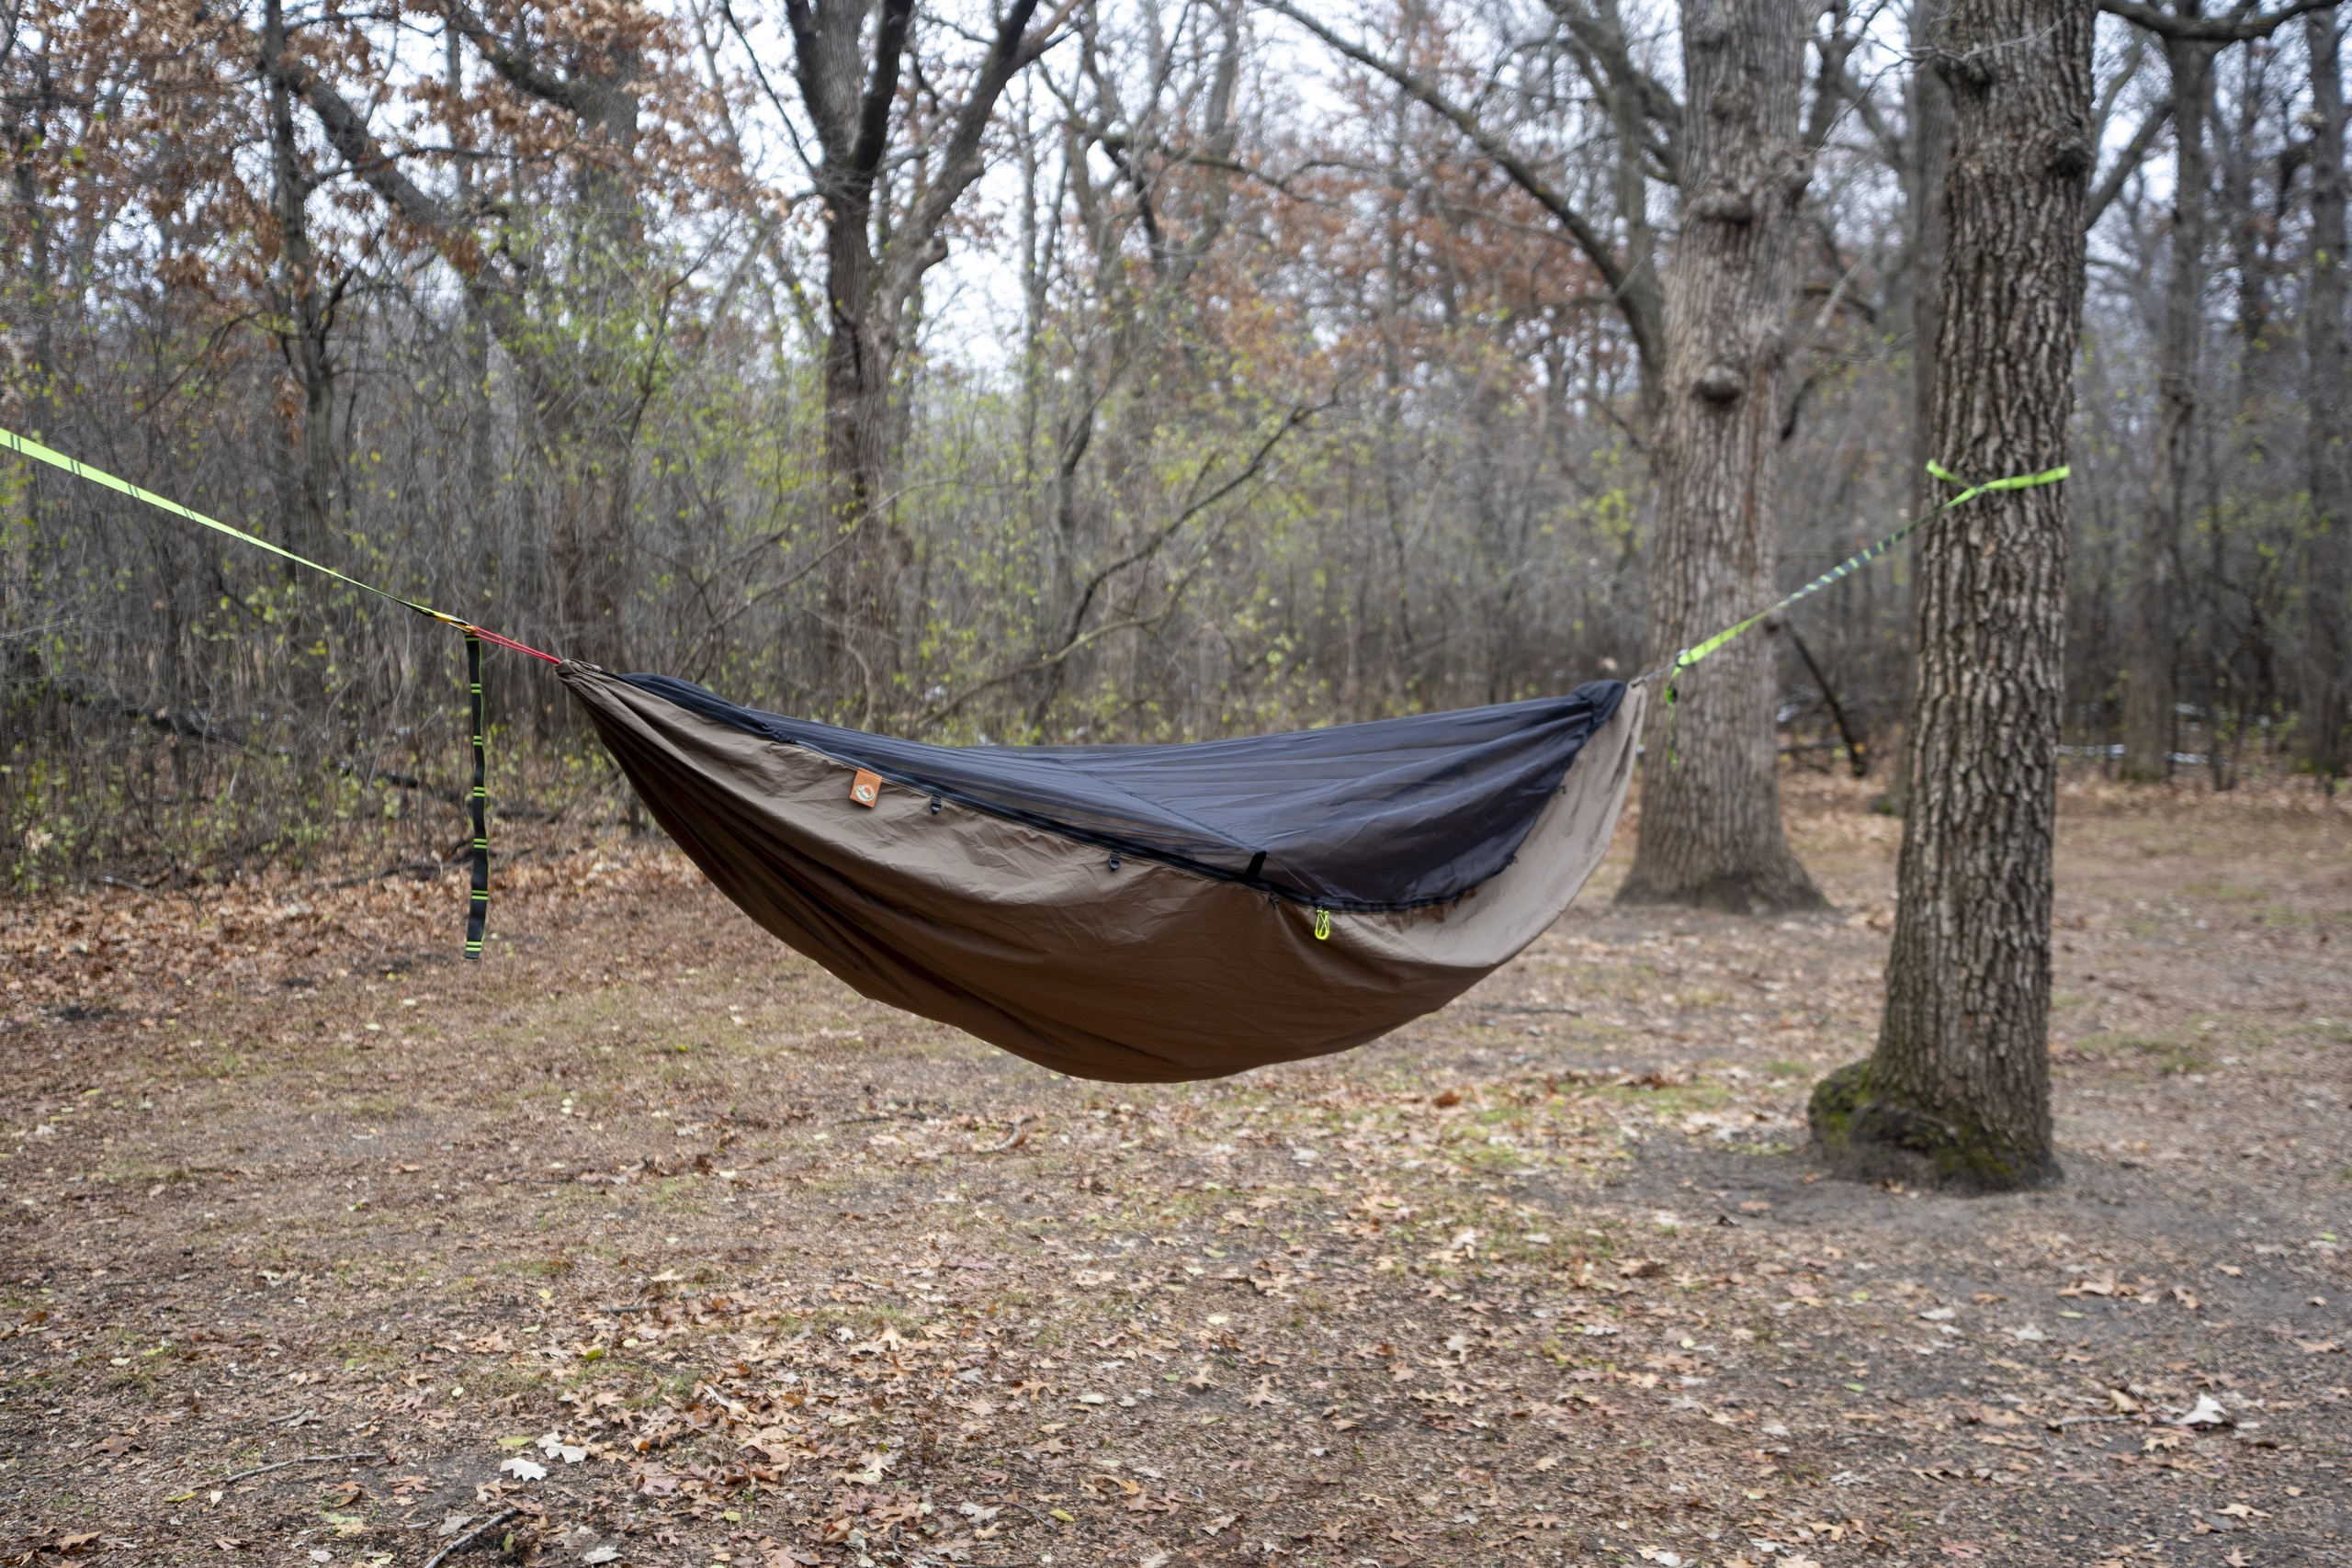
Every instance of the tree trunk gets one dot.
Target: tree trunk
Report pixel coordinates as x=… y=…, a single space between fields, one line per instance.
x=1711 y=809
x=2326 y=395
x=1957 y=1091
x=305 y=311
x=862 y=642
x=2148 y=690
x=1926 y=225
x=27 y=131
x=1928 y=154
x=1643 y=295
x=849 y=77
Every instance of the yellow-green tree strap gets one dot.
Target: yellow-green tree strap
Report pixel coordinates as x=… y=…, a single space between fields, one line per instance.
x=25 y=446
x=1689 y=656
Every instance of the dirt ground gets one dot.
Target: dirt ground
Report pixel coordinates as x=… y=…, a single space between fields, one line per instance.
x=645 y=1242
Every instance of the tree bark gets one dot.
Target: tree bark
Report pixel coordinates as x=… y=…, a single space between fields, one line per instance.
x=2327 y=404
x=1711 y=831
x=1957 y=1091
x=2154 y=649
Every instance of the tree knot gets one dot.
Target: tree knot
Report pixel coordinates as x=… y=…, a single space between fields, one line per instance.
x=1719 y=383
x=1724 y=207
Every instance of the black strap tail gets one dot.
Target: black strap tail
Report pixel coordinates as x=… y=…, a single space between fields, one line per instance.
x=478 y=908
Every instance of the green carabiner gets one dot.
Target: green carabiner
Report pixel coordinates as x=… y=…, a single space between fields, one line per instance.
x=1322 y=925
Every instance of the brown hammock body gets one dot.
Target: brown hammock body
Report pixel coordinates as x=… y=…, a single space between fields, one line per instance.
x=1126 y=969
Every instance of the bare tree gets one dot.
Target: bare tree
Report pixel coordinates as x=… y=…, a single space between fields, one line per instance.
x=2327 y=394
x=849 y=59
x=1957 y=1091
x=1711 y=818
x=585 y=361
x=2190 y=42
x=1620 y=245
x=306 y=301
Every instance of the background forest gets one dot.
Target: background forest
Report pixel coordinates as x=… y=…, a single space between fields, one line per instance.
x=1122 y=370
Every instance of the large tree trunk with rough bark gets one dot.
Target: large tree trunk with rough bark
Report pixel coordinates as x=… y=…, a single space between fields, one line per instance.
x=1957 y=1091
x=2327 y=394
x=1710 y=812
x=2154 y=648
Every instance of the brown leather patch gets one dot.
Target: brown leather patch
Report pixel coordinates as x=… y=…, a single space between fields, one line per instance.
x=866 y=788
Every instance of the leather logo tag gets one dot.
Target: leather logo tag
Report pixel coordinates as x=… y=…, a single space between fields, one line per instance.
x=866 y=788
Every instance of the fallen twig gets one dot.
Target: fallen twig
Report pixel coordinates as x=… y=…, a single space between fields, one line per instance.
x=2061 y=1424
x=281 y=1464
x=418 y=868
x=467 y=1538
x=1020 y=1125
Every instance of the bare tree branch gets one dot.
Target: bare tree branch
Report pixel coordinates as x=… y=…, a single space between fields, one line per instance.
x=348 y=133
x=1078 y=636
x=1582 y=230
x=1011 y=52
x=2236 y=27
x=2134 y=153
x=516 y=69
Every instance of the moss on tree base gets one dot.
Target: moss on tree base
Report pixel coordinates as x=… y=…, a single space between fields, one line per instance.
x=1870 y=1135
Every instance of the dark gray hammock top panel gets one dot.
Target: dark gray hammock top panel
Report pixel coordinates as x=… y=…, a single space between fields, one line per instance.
x=1389 y=815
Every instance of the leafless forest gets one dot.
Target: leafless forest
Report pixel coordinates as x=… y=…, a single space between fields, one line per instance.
x=1113 y=369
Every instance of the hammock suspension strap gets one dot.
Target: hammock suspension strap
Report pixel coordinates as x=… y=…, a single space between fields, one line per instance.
x=478 y=905
x=1847 y=568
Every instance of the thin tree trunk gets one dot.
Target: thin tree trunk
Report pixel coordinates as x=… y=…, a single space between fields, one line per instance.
x=862 y=639
x=1925 y=228
x=27 y=131
x=1957 y=1091
x=2327 y=402
x=1711 y=811
x=2154 y=649
x=1643 y=291
x=305 y=307
x=1930 y=152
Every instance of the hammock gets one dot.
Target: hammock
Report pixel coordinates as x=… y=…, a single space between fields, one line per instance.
x=1141 y=914
x=1138 y=913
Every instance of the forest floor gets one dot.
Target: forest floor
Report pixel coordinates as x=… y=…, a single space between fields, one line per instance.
x=645 y=1242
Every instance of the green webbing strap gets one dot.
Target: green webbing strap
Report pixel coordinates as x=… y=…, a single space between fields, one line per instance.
x=1689 y=656
x=478 y=907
